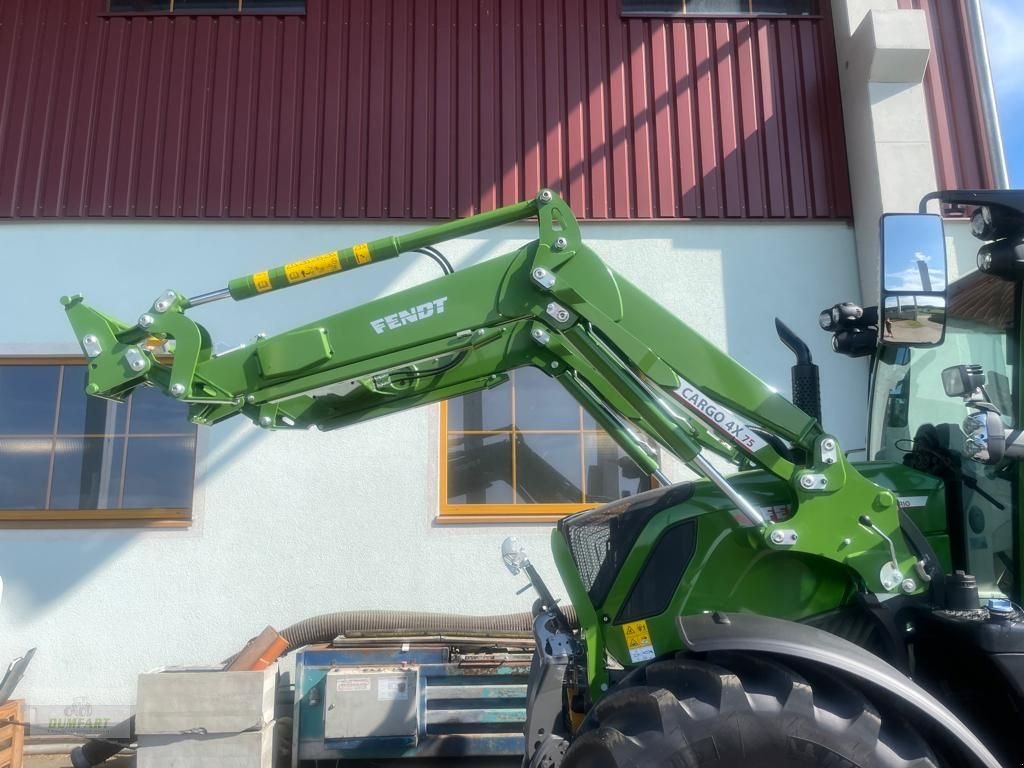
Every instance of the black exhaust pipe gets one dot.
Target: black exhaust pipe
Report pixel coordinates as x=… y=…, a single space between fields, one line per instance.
x=806 y=381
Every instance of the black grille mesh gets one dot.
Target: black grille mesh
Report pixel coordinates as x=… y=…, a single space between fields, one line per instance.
x=600 y=539
x=589 y=546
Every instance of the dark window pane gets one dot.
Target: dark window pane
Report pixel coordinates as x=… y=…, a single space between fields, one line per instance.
x=24 y=469
x=548 y=469
x=717 y=6
x=653 y=7
x=84 y=415
x=611 y=475
x=271 y=6
x=139 y=6
x=160 y=472
x=191 y=6
x=155 y=413
x=480 y=469
x=28 y=399
x=789 y=7
x=542 y=403
x=490 y=410
x=87 y=473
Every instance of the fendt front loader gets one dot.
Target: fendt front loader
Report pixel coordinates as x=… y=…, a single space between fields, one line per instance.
x=805 y=610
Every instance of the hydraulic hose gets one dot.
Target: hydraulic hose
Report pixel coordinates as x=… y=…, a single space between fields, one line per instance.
x=328 y=626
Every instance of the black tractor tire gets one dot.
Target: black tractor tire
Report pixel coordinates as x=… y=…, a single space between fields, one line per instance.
x=741 y=711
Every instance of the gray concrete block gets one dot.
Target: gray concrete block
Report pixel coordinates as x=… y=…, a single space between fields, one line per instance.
x=254 y=749
x=180 y=701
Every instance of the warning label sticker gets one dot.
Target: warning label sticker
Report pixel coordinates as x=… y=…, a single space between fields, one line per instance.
x=362 y=253
x=718 y=416
x=638 y=641
x=352 y=684
x=262 y=281
x=392 y=689
x=317 y=266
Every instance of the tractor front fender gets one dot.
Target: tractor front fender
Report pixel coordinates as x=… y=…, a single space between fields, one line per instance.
x=705 y=633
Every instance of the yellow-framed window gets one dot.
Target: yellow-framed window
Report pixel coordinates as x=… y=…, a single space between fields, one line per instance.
x=526 y=451
x=69 y=460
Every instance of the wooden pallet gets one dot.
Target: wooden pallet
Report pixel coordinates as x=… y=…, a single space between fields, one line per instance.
x=12 y=737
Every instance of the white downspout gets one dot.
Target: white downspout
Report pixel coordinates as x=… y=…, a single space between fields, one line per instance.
x=989 y=109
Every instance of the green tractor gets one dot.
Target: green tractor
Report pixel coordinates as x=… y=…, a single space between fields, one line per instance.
x=802 y=610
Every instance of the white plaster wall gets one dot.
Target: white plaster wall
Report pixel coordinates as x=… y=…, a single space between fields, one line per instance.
x=289 y=525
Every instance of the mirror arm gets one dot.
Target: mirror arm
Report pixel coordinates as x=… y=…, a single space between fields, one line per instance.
x=1014 y=444
x=1009 y=198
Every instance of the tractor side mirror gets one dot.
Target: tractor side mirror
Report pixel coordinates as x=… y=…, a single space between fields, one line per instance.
x=913 y=280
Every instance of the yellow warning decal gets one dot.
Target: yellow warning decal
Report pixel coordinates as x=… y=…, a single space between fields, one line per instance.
x=362 y=253
x=636 y=633
x=638 y=641
x=317 y=266
x=262 y=281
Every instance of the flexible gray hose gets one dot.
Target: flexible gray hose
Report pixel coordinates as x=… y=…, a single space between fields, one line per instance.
x=326 y=627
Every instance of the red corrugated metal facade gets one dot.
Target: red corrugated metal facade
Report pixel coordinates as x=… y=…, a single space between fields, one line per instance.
x=954 y=109
x=416 y=109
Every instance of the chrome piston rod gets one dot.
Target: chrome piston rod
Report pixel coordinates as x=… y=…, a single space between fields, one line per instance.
x=708 y=470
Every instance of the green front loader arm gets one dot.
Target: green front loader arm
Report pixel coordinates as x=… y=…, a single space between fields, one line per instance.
x=552 y=304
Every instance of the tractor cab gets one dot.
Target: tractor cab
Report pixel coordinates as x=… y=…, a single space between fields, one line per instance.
x=945 y=375
x=915 y=422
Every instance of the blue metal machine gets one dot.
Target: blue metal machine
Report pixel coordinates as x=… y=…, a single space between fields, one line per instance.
x=416 y=697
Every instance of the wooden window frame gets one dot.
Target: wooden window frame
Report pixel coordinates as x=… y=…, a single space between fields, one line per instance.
x=485 y=512
x=142 y=517
x=241 y=11
x=722 y=16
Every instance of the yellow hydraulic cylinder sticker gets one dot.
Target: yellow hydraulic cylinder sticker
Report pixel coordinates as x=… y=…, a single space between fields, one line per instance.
x=262 y=281
x=308 y=269
x=638 y=641
x=362 y=253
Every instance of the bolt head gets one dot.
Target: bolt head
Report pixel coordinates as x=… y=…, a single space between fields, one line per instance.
x=538 y=273
x=554 y=364
x=250 y=398
x=829 y=444
x=92 y=389
x=266 y=421
x=544 y=195
x=137 y=365
x=778 y=537
x=145 y=321
x=177 y=389
x=560 y=243
x=908 y=586
x=807 y=481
